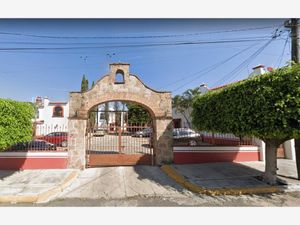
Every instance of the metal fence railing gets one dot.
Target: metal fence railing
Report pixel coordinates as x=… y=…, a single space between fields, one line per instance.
x=190 y=137
x=225 y=139
x=44 y=138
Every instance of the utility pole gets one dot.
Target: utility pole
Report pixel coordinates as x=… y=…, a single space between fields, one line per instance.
x=293 y=24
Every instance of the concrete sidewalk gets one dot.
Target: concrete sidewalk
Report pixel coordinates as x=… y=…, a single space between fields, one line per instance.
x=33 y=186
x=287 y=172
x=232 y=178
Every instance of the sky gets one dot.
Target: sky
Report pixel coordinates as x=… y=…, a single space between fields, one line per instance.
x=48 y=57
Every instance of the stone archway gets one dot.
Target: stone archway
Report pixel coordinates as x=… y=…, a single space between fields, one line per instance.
x=130 y=89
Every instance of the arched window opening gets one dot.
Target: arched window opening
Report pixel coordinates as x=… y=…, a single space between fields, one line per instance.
x=119 y=78
x=58 y=111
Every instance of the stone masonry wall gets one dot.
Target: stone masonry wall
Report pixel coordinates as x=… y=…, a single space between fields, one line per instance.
x=159 y=105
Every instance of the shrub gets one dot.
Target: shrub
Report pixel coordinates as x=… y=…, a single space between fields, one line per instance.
x=15 y=122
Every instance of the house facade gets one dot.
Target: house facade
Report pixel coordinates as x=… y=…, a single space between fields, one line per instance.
x=51 y=116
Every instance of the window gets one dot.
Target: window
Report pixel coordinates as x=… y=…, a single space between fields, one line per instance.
x=58 y=111
x=119 y=78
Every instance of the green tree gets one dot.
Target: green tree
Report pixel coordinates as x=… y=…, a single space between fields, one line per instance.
x=106 y=112
x=15 y=122
x=137 y=114
x=267 y=107
x=183 y=103
x=84 y=84
x=116 y=106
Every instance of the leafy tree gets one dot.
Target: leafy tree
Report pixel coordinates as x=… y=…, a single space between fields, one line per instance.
x=137 y=114
x=106 y=112
x=183 y=103
x=267 y=107
x=116 y=106
x=93 y=84
x=15 y=122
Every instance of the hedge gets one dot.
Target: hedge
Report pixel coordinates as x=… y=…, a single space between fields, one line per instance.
x=15 y=122
x=266 y=106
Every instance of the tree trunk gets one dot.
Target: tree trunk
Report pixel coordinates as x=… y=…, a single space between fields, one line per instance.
x=297 y=150
x=271 y=161
x=187 y=120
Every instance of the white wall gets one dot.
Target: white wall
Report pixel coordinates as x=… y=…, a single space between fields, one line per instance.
x=289 y=149
x=178 y=115
x=51 y=123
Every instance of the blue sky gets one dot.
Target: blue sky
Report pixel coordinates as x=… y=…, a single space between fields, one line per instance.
x=37 y=66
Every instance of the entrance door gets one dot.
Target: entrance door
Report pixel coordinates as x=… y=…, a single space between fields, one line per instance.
x=280 y=152
x=115 y=145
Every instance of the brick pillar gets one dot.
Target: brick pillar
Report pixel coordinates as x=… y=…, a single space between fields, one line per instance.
x=163 y=145
x=76 y=143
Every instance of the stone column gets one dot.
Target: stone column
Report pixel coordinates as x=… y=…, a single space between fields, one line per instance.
x=163 y=147
x=76 y=143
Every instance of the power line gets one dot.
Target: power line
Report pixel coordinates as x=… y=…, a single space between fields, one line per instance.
x=231 y=75
x=283 y=51
x=130 y=46
x=132 y=37
x=210 y=68
x=97 y=43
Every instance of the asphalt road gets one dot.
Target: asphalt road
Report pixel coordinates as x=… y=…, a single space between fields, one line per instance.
x=265 y=200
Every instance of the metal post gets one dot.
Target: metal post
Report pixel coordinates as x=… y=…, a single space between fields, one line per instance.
x=120 y=139
x=293 y=24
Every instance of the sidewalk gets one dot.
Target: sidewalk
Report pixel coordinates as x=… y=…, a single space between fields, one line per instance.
x=33 y=186
x=231 y=178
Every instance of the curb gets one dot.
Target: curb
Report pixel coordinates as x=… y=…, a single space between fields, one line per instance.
x=42 y=197
x=178 y=178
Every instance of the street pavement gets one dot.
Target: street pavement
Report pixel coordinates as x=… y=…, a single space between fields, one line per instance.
x=147 y=186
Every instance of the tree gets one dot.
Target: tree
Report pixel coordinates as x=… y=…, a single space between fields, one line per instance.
x=106 y=112
x=15 y=122
x=183 y=103
x=137 y=114
x=117 y=113
x=84 y=84
x=266 y=107
x=93 y=84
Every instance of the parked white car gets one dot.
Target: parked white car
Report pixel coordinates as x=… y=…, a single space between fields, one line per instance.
x=186 y=136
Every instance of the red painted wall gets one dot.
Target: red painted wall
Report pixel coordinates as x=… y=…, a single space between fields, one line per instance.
x=32 y=163
x=205 y=157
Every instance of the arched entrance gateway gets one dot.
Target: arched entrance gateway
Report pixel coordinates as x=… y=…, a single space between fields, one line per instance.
x=115 y=143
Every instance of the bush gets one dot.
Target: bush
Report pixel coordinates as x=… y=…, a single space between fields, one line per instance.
x=266 y=106
x=15 y=122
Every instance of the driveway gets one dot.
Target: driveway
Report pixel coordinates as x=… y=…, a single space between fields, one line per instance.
x=121 y=183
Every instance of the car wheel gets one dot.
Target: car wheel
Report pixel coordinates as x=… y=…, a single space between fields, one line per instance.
x=192 y=143
x=64 y=144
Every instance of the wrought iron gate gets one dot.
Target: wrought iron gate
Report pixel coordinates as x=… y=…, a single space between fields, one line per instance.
x=113 y=145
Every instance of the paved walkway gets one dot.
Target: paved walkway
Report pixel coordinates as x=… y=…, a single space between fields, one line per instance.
x=122 y=182
x=33 y=186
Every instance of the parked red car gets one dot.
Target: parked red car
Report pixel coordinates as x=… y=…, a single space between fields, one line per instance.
x=57 y=138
